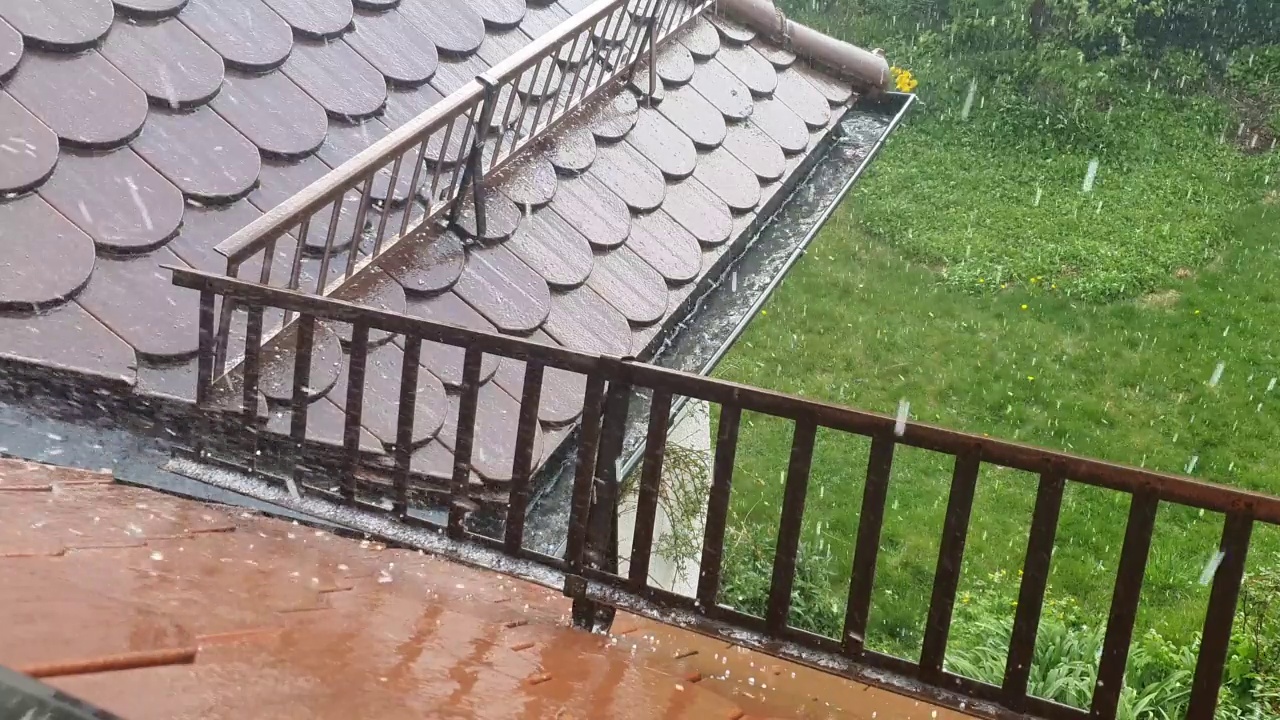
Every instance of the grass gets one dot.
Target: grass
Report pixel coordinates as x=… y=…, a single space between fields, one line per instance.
x=1130 y=380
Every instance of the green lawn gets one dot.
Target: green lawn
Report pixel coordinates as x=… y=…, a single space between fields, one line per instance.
x=1131 y=380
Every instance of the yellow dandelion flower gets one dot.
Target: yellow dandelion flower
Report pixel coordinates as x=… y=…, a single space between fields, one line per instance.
x=1024 y=307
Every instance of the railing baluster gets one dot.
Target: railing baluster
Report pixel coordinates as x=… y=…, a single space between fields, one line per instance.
x=584 y=473
x=298 y=403
x=252 y=372
x=408 y=405
x=946 y=579
x=387 y=204
x=784 y=558
x=412 y=195
x=603 y=515
x=225 y=314
x=295 y=270
x=1220 y=616
x=204 y=369
x=870 y=524
x=522 y=464
x=357 y=230
x=1035 y=578
x=1124 y=604
x=718 y=507
x=354 y=408
x=464 y=443
x=655 y=451
x=327 y=254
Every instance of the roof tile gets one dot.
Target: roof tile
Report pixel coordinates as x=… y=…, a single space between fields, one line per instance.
x=275 y=114
x=10 y=48
x=337 y=77
x=64 y=25
x=688 y=110
x=700 y=211
x=782 y=124
x=454 y=25
x=573 y=150
x=590 y=207
x=629 y=284
x=149 y=9
x=327 y=364
x=326 y=424
x=757 y=151
x=83 y=98
x=380 y=411
x=200 y=153
x=553 y=248
x=664 y=144
x=803 y=98
x=445 y=361
x=531 y=182
x=506 y=291
x=67 y=338
x=582 y=320
x=28 y=150
x=279 y=180
x=116 y=198
x=429 y=266
x=247 y=34
x=666 y=245
x=137 y=299
x=701 y=38
x=497 y=420
x=630 y=175
x=171 y=64
x=724 y=90
x=396 y=47
x=314 y=18
x=33 y=234
x=751 y=68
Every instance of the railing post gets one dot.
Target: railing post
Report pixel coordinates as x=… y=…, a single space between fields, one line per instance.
x=473 y=173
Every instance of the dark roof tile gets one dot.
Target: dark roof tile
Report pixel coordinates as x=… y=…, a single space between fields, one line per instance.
x=337 y=77
x=649 y=89
x=275 y=114
x=150 y=9
x=28 y=148
x=137 y=299
x=532 y=181
x=700 y=211
x=65 y=25
x=206 y=226
x=562 y=392
x=701 y=38
x=590 y=207
x=733 y=32
x=396 y=47
x=68 y=338
x=630 y=285
x=500 y=13
x=445 y=361
x=346 y=140
x=688 y=110
x=751 y=68
x=623 y=169
x=47 y=258
x=116 y=198
x=83 y=98
x=666 y=245
x=837 y=93
x=724 y=90
x=726 y=176
x=381 y=406
x=374 y=289
x=501 y=44
x=246 y=33
x=803 y=98
x=171 y=64
x=782 y=124
x=573 y=150
x=327 y=364
x=428 y=266
x=497 y=419
x=663 y=144
x=314 y=18
x=779 y=57
x=614 y=119
x=501 y=218
x=553 y=248
x=454 y=25
x=675 y=64
x=10 y=48
x=200 y=153
x=326 y=424
x=539 y=20
x=757 y=151
x=582 y=320
x=506 y=291
x=404 y=104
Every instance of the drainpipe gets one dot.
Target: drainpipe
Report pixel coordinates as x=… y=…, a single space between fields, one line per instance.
x=862 y=68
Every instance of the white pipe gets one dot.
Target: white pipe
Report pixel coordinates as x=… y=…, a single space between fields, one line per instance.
x=852 y=63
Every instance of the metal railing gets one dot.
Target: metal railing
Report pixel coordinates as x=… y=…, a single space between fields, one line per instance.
x=590 y=565
x=443 y=160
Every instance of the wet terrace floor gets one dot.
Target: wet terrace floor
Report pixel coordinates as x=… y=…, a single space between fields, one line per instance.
x=151 y=606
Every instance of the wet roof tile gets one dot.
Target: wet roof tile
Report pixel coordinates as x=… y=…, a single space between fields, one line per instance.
x=32 y=234
x=756 y=150
x=574 y=150
x=778 y=56
x=314 y=18
x=631 y=176
x=505 y=290
x=666 y=245
x=445 y=361
x=431 y=267
x=553 y=248
x=335 y=76
x=663 y=144
x=500 y=13
x=724 y=90
x=273 y=112
x=582 y=320
x=688 y=110
x=393 y=45
x=700 y=211
x=83 y=98
x=837 y=93
x=149 y=9
x=64 y=25
x=454 y=25
x=326 y=424
x=137 y=299
x=675 y=64
x=726 y=176
x=749 y=66
x=630 y=285
x=782 y=124
x=279 y=180
x=67 y=338
x=246 y=33
x=116 y=198
x=590 y=207
x=28 y=150
x=497 y=419
x=733 y=32
x=10 y=48
x=374 y=289
x=803 y=98
x=615 y=118
x=701 y=38
x=200 y=153
x=172 y=65
x=327 y=364
x=382 y=397
x=531 y=182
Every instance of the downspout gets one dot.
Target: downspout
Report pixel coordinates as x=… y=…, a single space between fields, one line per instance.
x=866 y=70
